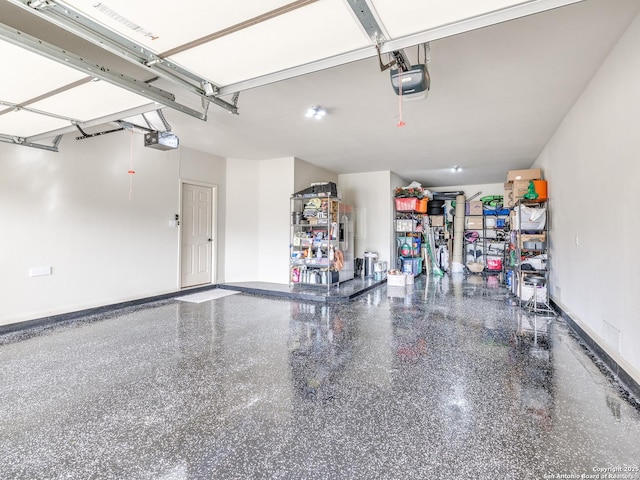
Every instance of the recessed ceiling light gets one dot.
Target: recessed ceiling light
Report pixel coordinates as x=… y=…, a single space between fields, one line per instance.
x=316 y=111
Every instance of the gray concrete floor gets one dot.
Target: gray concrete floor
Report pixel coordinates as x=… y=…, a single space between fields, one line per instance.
x=444 y=379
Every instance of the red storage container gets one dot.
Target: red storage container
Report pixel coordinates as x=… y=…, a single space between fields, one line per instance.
x=494 y=263
x=411 y=205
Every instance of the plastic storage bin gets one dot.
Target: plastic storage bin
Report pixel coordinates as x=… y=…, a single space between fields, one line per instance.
x=411 y=265
x=494 y=263
x=529 y=218
x=411 y=205
x=406 y=225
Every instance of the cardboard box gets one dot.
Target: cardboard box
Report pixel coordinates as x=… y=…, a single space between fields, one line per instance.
x=531 y=237
x=437 y=220
x=520 y=187
x=509 y=201
x=531 y=174
x=514 y=191
x=473 y=223
x=475 y=207
x=397 y=280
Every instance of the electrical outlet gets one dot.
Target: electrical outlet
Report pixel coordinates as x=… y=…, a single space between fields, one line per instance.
x=577 y=241
x=612 y=335
x=39 y=271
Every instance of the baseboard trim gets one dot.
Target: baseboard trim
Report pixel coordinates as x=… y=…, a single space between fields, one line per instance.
x=65 y=317
x=625 y=382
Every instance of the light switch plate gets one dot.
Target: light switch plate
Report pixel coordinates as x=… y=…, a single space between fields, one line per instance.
x=39 y=271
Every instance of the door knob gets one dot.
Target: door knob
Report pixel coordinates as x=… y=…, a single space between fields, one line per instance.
x=210 y=240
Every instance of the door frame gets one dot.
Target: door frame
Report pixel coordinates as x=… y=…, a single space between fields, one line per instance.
x=214 y=228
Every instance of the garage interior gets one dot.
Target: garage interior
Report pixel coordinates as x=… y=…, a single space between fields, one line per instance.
x=112 y=113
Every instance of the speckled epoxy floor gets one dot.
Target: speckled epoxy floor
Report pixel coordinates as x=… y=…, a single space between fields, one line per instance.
x=448 y=382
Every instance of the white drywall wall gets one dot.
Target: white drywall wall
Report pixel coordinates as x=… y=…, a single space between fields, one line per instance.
x=201 y=167
x=276 y=187
x=370 y=194
x=72 y=211
x=305 y=174
x=258 y=215
x=592 y=167
x=242 y=228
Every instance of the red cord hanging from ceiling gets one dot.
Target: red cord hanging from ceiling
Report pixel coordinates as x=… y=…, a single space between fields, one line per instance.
x=401 y=123
x=131 y=171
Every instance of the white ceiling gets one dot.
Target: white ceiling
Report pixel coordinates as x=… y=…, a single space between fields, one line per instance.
x=231 y=45
x=50 y=94
x=497 y=93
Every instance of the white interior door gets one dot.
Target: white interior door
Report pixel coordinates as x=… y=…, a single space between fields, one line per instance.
x=197 y=235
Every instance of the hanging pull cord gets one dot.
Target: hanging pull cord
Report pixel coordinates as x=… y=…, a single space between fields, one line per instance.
x=131 y=171
x=401 y=123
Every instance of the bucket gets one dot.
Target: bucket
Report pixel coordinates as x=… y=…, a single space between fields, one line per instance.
x=540 y=187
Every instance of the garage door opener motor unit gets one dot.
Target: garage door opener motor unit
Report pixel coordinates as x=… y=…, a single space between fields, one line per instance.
x=411 y=81
x=161 y=140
